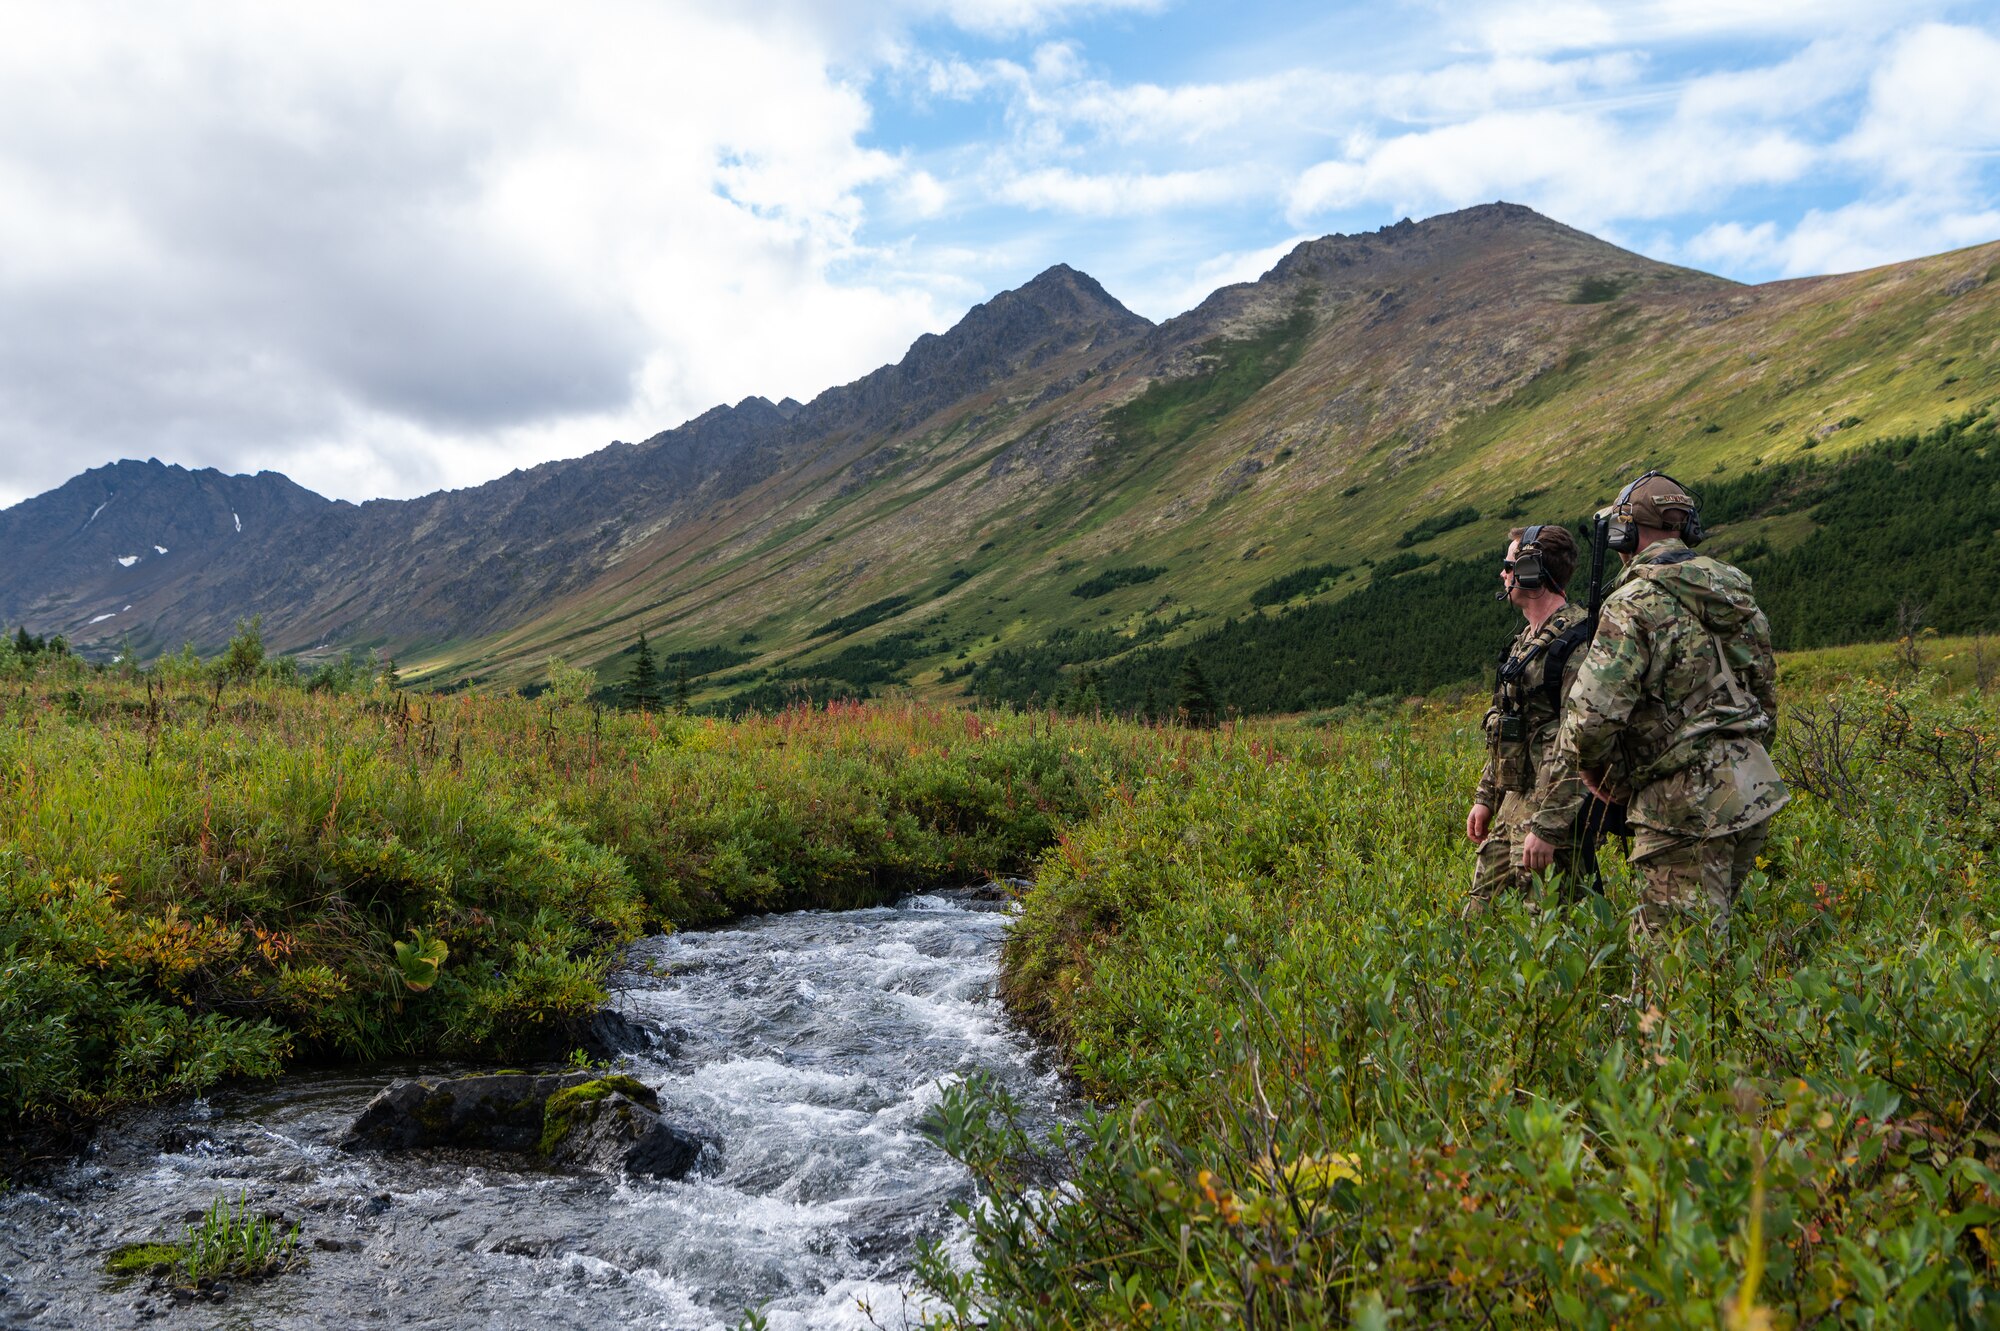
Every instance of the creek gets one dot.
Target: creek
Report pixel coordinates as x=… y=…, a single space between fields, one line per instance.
x=813 y=1044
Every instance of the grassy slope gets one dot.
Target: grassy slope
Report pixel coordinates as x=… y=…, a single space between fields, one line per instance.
x=1480 y=381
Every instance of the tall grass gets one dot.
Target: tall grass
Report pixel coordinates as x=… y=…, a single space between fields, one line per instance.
x=1330 y=1100
x=1326 y=1098
x=196 y=885
x=231 y=1241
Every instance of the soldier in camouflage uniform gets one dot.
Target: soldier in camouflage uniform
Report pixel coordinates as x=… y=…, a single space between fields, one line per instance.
x=1521 y=724
x=1672 y=708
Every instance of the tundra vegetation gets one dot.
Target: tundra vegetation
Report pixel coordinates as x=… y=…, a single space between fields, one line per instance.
x=1322 y=1097
x=1326 y=1099
x=204 y=876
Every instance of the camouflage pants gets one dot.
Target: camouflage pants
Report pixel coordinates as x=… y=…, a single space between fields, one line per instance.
x=1698 y=876
x=1497 y=866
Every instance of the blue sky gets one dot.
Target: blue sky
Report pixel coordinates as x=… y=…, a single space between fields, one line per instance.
x=387 y=249
x=1162 y=146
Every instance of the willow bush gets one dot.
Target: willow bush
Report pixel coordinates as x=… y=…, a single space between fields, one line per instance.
x=1326 y=1099
x=199 y=883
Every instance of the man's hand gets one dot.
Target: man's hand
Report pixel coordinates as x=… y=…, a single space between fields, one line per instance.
x=1536 y=854
x=1477 y=822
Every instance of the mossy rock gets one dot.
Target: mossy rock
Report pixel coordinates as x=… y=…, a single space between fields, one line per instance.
x=613 y=1125
x=560 y=1115
x=495 y=1112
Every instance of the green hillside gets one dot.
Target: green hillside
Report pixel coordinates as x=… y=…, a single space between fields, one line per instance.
x=1901 y=534
x=1305 y=481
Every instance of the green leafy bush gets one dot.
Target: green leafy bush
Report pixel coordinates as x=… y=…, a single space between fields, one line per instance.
x=1330 y=1100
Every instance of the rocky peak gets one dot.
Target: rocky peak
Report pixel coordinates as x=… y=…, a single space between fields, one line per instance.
x=1059 y=305
x=1485 y=233
x=1492 y=253
x=1059 y=310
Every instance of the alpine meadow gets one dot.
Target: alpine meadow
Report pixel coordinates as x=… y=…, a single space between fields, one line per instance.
x=1168 y=645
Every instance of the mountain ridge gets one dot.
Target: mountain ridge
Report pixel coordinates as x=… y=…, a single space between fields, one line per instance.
x=1360 y=383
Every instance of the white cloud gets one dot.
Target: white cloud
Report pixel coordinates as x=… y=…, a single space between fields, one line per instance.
x=923 y=194
x=1735 y=246
x=1859 y=235
x=1925 y=140
x=1003 y=17
x=1586 y=168
x=1546 y=25
x=1522 y=27
x=1061 y=98
x=382 y=248
x=1932 y=116
x=1186 y=292
x=1122 y=195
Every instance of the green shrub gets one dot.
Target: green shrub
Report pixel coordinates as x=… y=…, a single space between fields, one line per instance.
x=1331 y=1100
x=190 y=893
x=1436 y=526
x=1111 y=579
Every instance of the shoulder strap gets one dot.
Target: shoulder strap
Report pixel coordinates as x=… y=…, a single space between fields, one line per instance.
x=1559 y=650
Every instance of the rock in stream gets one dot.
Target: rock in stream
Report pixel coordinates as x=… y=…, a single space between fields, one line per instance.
x=810 y=1047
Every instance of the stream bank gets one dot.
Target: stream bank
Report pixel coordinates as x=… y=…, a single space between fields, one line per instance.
x=814 y=1044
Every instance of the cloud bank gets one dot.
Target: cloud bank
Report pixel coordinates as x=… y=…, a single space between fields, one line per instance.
x=391 y=248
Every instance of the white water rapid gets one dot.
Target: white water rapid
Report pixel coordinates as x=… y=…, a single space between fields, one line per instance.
x=812 y=1044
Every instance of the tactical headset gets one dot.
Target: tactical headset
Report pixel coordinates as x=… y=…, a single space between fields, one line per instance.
x=1621 y=533
x=1529 y=573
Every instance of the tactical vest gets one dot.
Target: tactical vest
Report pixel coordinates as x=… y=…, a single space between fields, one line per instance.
x=1527 y=697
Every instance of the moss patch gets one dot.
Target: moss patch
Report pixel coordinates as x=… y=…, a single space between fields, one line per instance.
x=559 y=1115
x=434 y=1111
x=140 y=1259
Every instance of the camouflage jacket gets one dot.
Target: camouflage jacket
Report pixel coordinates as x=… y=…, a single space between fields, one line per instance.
x=1676 y=697
x=1517 y=755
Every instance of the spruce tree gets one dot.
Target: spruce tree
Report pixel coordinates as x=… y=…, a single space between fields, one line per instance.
x=1197 y=699
x=643 y=689
x=681 y=687
x=1089 y=695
